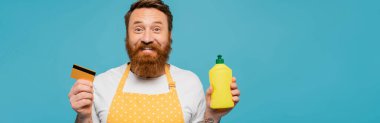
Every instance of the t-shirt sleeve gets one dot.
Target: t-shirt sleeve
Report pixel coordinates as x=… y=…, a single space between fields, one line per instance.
x=200 y=104
x=199 y=115
x=95 y=118
x=97 y=96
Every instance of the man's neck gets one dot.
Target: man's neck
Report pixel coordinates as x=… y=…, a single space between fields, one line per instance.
x=162 y=72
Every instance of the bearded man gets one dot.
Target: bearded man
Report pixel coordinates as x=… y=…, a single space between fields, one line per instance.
x=146 y=89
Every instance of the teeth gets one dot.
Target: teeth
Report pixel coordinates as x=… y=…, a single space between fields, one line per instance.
x=147 y=48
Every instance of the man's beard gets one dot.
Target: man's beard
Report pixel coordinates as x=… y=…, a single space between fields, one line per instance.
x=148 y=65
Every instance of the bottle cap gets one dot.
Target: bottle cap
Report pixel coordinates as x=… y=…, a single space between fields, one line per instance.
x=220 y=60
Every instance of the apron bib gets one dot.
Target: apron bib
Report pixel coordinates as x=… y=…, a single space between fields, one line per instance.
x=140 y=108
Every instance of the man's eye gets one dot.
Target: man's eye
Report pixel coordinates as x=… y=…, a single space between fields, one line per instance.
x=138 y=30
x=156 y=29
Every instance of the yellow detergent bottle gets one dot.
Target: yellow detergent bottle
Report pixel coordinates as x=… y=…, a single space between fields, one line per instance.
x=220 y=80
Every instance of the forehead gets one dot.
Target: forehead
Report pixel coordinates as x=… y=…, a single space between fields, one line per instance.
x=147 y=15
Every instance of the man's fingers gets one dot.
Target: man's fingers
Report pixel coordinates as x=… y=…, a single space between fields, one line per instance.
x=208 y=94
x=80 y=96
x=233 y=86
x=79 y=82
x=235 y=92
x=81 y=88
x=81 y=103
x=236 y=99
x=84 y=82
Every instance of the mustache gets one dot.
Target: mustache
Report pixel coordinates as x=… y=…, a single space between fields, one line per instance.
x=151 y=46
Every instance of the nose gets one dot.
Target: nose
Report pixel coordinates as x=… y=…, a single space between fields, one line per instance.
x=147 y=38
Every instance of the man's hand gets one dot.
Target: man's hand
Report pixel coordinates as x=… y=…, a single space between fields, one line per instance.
x=81 y=97
x=214 y=115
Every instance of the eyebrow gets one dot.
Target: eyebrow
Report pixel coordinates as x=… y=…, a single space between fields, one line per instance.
x=138 y=22
x=157 y=22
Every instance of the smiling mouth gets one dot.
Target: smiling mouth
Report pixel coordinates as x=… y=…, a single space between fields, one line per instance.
x=147 y=48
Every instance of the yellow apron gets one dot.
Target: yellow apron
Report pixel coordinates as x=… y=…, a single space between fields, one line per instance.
x=141 y=108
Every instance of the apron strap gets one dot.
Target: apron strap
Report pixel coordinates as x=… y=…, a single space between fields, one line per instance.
x=171 y=83
x=123 y=78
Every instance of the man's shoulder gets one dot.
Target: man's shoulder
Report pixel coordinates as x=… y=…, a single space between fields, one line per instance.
x=187 y=82
x=182 y=72
x=184 y=75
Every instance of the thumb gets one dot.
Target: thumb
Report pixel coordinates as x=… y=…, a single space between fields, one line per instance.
x=208 y=93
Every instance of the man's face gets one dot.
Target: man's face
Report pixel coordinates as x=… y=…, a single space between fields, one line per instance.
x=148 y=26
x=148 y=41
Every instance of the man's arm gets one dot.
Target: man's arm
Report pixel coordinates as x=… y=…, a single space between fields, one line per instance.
x=80 y=119
x=211 y=119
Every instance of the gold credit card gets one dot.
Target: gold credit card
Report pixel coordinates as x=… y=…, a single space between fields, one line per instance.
x=79 y=72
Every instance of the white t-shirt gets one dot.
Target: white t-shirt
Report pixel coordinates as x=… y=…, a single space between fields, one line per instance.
x=189 y=89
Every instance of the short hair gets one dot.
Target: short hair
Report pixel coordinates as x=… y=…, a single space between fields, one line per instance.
x=156 y=4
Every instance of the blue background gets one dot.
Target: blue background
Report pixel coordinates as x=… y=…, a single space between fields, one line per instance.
x=296 y=61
